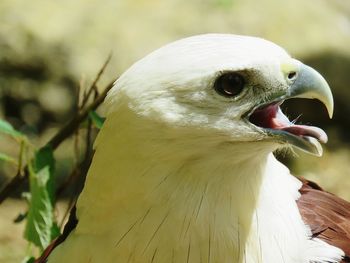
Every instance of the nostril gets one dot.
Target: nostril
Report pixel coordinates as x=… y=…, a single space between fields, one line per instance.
x=292 y=75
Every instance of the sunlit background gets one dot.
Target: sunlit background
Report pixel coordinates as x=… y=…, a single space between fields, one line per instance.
x=48 y=47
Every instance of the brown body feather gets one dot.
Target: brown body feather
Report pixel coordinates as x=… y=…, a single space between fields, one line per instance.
x=327 y=215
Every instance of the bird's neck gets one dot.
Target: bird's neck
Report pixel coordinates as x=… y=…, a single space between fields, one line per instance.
x=159 y=199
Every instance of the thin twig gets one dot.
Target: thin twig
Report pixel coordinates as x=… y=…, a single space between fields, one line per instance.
x=80 y=88
x=74 y=123
x=70 y=205
x=20 y=158
x=77 y=180
x=93 y=85
x=15 y=182
x=76 y=133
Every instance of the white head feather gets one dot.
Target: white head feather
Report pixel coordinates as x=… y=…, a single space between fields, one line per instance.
x=174 y=84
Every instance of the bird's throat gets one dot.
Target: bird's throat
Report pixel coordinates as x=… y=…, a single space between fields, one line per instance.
x=162 y=200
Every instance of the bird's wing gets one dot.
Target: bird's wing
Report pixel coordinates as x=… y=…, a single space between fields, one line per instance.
x=327 y=215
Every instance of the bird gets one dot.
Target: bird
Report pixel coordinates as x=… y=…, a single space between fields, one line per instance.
x=184 y=167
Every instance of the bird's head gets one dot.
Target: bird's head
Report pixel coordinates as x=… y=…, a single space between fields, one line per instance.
x=225 y=85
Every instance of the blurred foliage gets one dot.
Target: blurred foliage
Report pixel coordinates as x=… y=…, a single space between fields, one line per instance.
x=41 y=228
x=49 y=48
x=38 y=167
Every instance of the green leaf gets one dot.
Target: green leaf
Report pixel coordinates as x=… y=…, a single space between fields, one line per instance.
x=40 y=213
x=4 y=157
x=44 y=158
x=6 y=127
x=55 y=231
x=40 y=219
x=96 y=119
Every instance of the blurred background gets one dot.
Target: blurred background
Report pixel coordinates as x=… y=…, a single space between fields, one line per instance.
x=48 y=48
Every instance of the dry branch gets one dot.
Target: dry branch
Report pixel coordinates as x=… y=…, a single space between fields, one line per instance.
x=66 y=131
x=74 y=123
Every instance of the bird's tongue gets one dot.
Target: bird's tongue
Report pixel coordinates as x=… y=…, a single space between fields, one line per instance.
x=272 y=117
x=312 y=131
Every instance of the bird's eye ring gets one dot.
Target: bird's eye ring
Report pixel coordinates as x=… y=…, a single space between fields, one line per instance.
x=229 y=84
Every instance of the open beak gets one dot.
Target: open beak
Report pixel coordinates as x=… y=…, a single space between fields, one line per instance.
x=268 y=116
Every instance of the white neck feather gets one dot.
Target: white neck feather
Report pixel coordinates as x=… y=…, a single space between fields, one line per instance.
x=194 y=200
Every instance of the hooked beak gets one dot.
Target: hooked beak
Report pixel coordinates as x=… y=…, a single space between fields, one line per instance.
x=309 y=84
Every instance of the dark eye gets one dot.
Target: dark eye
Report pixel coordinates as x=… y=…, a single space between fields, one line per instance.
x=292 y=75
x=229 y=84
